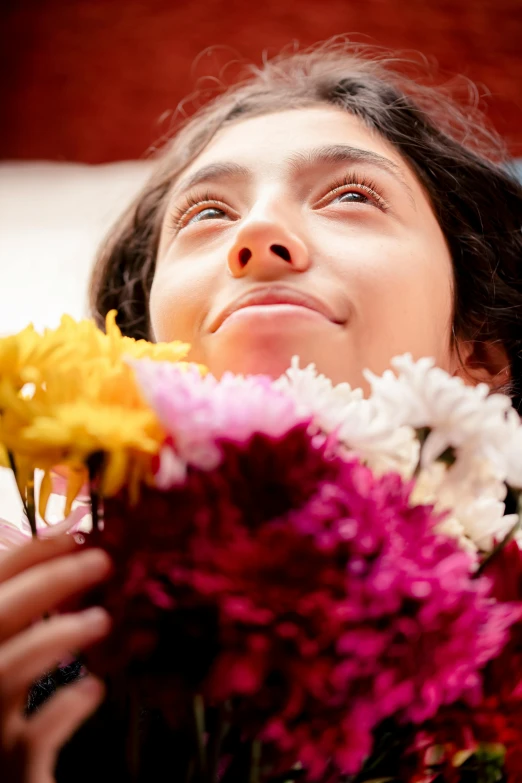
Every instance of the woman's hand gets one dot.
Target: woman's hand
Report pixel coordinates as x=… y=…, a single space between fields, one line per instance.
x=35 y=579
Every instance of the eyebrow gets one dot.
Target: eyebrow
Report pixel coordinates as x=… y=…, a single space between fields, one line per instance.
x=212 y=173
x=345 y=153
x=297 y=163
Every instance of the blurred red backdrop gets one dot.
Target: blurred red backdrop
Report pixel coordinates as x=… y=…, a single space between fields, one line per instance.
x=96 y=80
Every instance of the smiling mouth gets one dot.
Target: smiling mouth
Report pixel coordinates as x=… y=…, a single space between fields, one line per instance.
x=275 y=302
x=269 y=312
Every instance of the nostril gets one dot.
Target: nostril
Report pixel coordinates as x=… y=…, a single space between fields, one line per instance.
x=281 y=251
x=244 y=256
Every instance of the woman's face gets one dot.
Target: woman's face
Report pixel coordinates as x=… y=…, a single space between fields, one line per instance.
x=302 y=232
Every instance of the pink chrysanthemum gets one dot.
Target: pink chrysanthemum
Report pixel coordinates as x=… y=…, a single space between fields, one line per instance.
x=297 y=585
x=197 y=411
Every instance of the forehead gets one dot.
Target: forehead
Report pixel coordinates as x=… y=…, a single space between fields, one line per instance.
x=271 y=139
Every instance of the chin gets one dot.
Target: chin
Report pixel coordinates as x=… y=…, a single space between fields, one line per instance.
x=264 y=357
x=268 y=348
x=255 y=362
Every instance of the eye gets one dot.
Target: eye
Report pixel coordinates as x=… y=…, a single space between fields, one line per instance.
x=209 y=213
x=354 y=189
x=351 y=195
x=197 y=208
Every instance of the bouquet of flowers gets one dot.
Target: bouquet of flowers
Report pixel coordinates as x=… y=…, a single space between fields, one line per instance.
x=308 y=584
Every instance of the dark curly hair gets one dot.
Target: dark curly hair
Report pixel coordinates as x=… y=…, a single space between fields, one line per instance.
x=460 y=163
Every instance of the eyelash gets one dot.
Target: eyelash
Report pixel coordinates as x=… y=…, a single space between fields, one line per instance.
x=179 y=213
x=192 y=200
x=369 y=187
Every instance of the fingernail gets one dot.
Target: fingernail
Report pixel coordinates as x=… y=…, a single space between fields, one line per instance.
x=97 y=618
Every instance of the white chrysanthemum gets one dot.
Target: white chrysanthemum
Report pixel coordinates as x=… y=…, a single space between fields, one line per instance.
x=428 y=485
x=429 y=489
x=367 y=431
x=476 y=513
x=361 y=426
x=474 y=475
x=483 y=431
x=422 y=395
x=314 y=393
x=484 y=521
x=381 y=430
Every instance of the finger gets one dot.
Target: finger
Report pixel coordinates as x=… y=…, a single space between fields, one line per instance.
x=46 y=585
x=36 y=551
x=28 y=655
x=49 y=729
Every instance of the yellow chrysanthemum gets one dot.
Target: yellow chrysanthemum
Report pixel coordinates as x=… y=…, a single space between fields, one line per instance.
x=70 y=393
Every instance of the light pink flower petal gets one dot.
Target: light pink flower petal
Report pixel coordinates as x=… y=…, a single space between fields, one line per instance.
x=198 y=412
x=59 y=484
x=12 y=535
x=70 y=524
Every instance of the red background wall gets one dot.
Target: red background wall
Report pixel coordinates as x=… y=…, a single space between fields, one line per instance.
x=89 y=80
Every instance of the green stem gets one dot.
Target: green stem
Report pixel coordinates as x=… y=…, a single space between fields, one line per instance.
x=31 y=508
x=31 y=520
x=422 y=435
x=198 y=706
x=93 y=466
x=95 y=500
x=216 y=740
x=255 y=761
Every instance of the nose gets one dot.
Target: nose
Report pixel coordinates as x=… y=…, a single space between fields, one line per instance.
x=265 y=247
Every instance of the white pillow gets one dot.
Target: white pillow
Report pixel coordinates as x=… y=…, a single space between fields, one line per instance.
x=52 y=218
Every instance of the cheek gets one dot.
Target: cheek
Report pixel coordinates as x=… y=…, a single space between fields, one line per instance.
x=402 y=295
x=176 y=301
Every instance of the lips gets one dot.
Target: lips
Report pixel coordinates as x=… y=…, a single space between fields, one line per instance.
x=274 y=295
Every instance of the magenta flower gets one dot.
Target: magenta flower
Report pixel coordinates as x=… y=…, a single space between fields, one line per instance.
x=297 y=585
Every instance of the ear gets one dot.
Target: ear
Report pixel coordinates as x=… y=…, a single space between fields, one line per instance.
x=483 y=362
